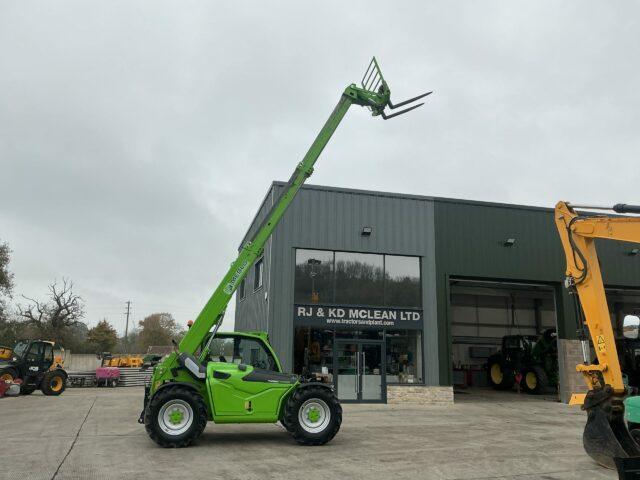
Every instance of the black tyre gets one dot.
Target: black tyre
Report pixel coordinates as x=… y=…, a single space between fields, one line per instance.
x=54 y=383
x=27 y=389
x=498 y=376
x=312 y=415
x=175 y=417
x=534 y=380
x=113 y=382
x=8 y=374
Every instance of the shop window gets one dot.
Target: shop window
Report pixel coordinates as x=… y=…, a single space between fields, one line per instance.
x=313 y=351
x=314 y=276
x=257 y=278
x=404 y=356
x=241 y=350
x=402 y=282
x=359 y=278
x=362 y=279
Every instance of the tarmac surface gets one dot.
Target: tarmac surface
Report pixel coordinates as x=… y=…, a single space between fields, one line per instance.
x=93 y=434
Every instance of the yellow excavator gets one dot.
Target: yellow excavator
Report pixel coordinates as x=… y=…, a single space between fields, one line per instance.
x=607 y=438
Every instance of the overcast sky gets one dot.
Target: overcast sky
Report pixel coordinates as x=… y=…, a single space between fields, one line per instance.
x=138 y=138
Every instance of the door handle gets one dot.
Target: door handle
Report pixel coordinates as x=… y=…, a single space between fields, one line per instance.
x=364 y=365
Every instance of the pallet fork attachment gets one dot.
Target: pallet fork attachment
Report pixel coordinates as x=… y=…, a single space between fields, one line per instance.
x=606 y=437
x=373 y=82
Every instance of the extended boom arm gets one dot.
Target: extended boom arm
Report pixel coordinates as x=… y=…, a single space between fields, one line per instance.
x=374 y=93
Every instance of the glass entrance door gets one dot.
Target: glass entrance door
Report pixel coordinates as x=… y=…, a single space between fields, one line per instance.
x=359 y=371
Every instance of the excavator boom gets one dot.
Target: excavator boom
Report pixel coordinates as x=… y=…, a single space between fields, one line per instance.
x=606 y=436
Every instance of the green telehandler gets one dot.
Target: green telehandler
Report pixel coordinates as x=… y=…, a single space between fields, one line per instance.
x=237 y=377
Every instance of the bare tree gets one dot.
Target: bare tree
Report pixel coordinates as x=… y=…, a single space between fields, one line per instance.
x=61 y=311
x=6 y=280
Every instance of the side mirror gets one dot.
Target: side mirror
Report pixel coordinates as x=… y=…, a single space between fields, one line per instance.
x=631 y=326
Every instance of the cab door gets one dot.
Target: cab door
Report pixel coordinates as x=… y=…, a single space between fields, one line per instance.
x=244 y=382
x=34 y=359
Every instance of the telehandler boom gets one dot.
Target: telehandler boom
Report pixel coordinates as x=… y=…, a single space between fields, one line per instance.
x=606 y=436
x=237 y=378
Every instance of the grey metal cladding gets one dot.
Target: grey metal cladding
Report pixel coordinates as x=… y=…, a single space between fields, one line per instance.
x=332 y=219
x=252 y=311
x=470 y=241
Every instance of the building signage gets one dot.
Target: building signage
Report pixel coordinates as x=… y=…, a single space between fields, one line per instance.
x=356 y=317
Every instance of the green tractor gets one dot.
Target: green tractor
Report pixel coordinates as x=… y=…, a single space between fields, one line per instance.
x=237 y=377
x=525 y=359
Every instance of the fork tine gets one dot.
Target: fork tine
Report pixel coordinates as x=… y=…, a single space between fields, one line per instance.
x=406 y=102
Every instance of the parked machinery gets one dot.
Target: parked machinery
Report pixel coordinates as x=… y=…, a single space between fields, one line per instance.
x=5 y=352
x=525 y=359
x=238 y=378
x=37 y=366
x=606 y=436
x=121 y=360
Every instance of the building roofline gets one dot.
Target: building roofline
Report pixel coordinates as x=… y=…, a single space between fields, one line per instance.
x=411 y=196
x=404 y=196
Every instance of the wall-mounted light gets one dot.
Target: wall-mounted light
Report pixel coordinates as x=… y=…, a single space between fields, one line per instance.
x=366 y=231
x=509 y=242
x=634 y=251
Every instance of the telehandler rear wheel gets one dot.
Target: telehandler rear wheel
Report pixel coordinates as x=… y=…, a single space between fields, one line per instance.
x=312 y=415
x=175 y=417
x=53 y=383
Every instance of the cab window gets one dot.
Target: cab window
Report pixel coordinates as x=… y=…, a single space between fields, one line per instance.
x=48 y=352
x=238 y=350
x=35 y=352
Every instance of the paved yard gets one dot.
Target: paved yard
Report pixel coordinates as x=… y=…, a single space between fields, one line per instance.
x=93 y=434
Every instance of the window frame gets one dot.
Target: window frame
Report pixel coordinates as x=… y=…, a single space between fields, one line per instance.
x=258 y=274
x=384 y=278
x=239 y=338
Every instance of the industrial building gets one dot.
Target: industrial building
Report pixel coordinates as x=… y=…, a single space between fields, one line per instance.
x=379 y=292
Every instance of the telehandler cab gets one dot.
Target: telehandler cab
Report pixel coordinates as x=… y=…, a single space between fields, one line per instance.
x=237 y=377
x=36 y=365
x=606 y=437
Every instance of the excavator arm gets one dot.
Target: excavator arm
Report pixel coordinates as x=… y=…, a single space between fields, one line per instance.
x=606 y=436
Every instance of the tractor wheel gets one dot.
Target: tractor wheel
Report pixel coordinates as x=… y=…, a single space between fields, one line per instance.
x=312 y=415
x=27 y=389
x=8 y=374
x=499 y=377
x=534 y=380
x=53 y=383
x=175 y=417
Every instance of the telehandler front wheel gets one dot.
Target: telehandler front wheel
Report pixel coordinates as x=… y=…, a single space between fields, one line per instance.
x=8 y=374
x=312 y=415
x=175 y=417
